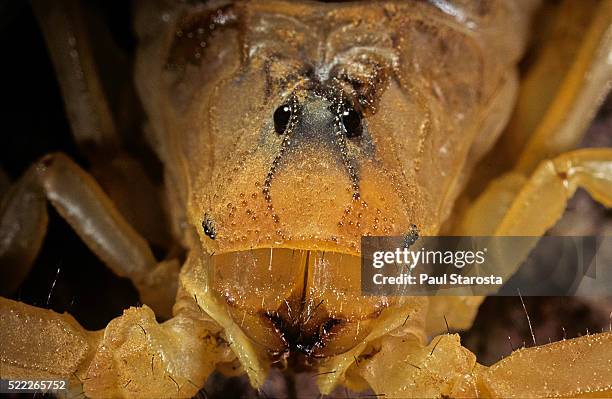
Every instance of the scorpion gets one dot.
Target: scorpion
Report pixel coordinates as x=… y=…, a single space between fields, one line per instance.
x=287 y=131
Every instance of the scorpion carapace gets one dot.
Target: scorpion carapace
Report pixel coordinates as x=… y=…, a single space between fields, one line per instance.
x=286 y=120
x=343 y=74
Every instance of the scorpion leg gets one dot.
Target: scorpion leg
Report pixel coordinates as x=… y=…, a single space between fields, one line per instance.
x=23 y=222
x=583 y=84
x=134 y=356
x=102 y=112
x=528 y=206
x=579 y=367
x=516 y=205
x=566 y=80
x=87 y=108
x=79 y=200
x=402 y=367
x=570 y=368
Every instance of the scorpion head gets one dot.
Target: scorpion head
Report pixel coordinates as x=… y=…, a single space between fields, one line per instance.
x=294 y=130
x=285 y=224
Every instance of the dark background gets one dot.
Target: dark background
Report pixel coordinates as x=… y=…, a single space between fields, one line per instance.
x=67 y=277
x=34 y=124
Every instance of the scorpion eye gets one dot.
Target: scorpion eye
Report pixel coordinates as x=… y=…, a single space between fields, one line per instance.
x=351 y=120
x=209 y=227
x=281 y=118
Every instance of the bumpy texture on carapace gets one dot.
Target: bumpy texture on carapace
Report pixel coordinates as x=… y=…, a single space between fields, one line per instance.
x=304 y=126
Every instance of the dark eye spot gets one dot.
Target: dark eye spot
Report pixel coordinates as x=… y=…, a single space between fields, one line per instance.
x=351 y=120
x=281 y=118
x=209 y=227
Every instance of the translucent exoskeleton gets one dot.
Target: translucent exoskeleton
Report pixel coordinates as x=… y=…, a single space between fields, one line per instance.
x=288 y=130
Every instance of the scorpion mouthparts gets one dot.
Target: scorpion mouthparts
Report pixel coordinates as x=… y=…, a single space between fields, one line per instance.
x=302 y=301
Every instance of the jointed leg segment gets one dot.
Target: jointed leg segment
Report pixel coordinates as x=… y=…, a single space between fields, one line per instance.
x=133 y=357
x=518 y=205
x=570 y=368
x=78 y=199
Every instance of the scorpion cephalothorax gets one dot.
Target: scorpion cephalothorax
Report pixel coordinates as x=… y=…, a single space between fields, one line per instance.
x=288 y=131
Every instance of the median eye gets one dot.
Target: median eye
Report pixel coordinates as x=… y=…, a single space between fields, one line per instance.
x=351 y=120
x=281 y=118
